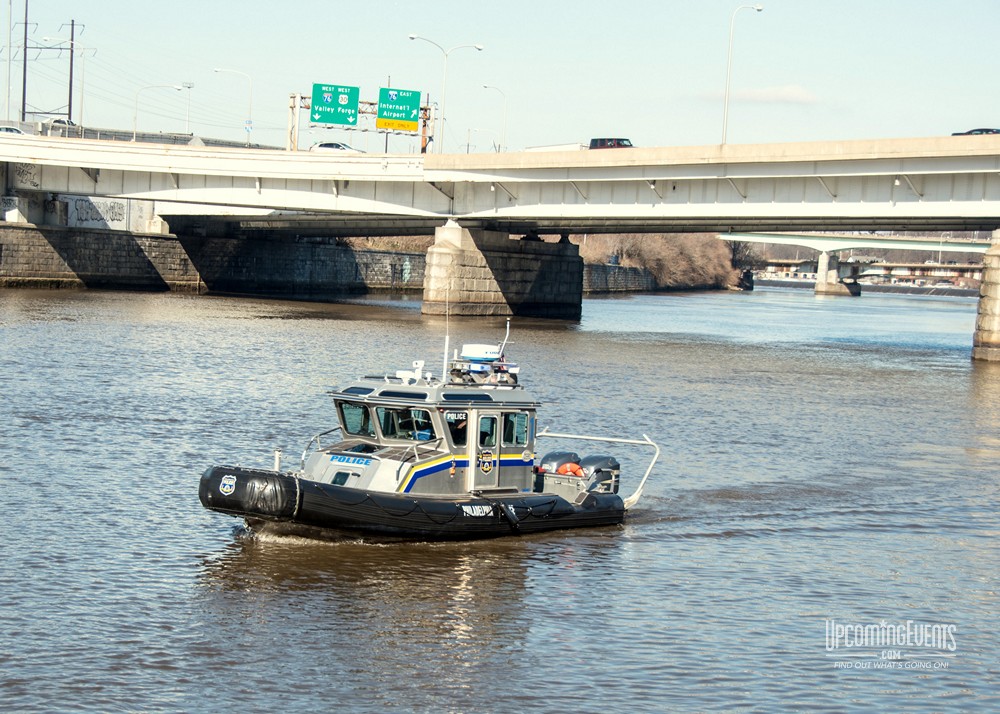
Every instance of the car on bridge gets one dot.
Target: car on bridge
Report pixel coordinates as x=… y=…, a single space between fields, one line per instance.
x=610 y=144
x=335 y=146
x=976 y=131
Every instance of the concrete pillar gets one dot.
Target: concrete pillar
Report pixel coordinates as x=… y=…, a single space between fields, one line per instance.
x=986 y=341
x=28 y=208
x=828 y=276
x=487 y=273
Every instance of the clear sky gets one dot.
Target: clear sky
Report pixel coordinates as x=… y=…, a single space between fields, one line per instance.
x=650 y=70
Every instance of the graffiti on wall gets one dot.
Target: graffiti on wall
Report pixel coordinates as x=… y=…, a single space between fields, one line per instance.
x=85 y=212
x=26 y=176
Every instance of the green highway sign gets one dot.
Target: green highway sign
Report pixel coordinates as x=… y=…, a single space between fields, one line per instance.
x=334 y=104
x=398 y=109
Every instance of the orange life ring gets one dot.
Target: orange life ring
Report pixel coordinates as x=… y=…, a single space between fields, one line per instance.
x=570 y=469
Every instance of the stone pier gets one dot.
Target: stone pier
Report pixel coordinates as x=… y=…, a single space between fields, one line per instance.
x=488 y=273
x=986 y=341
x=828 y=276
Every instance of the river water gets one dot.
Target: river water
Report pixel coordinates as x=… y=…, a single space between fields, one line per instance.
x=827 y=463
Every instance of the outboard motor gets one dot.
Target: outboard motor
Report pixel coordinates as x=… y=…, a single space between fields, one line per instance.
x=550 y=464
x=602 y=473
x=553 y=460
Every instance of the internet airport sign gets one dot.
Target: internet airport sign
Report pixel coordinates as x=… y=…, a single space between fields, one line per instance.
x=398 y=109
x=334 y=104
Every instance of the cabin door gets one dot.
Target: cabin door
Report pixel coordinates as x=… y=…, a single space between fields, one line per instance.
x=484 y=443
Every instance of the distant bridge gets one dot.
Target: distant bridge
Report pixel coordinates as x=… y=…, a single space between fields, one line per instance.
x=830 y=243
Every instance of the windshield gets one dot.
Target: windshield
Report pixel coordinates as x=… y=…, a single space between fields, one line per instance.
x=356 y=419
x=405 y=423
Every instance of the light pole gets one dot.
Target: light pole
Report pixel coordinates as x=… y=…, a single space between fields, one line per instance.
x=135 y=116
x=444 y=82
x=729 y=65
x=187 y=116
x=10 y=52
x=249 y=125
x=503 y=131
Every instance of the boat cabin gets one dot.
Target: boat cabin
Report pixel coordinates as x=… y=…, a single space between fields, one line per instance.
x=409 y=433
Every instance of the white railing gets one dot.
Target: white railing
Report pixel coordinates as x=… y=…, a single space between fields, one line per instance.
x=645 y=441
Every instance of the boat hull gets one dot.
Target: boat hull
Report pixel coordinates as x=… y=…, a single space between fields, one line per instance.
x=283 y=503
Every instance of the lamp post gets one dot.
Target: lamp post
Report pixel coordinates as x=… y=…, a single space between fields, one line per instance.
x=249 y=125
x=187 y=116
x=503 y=131
x=729 y=65
x=444 y=81
x=10 y=53
x=135 y=116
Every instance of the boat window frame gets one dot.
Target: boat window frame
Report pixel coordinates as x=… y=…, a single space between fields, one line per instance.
x=494 y=432
x=457 y=426
x=426 y=432
x=341 y=403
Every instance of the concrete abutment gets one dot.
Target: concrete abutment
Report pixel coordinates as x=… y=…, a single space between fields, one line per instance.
x=487 y=273
x=986 y=341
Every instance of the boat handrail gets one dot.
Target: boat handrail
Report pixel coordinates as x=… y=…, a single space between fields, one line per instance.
x=305 y=451
x=401 y=470
x=645 y=441
x=434 y=443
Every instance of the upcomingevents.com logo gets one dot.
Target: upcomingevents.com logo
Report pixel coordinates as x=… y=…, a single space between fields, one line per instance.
x=890 y=645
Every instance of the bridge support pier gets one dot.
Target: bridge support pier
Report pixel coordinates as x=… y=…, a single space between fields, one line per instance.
x=986 y=341
x=488 y=273
x=828 y=276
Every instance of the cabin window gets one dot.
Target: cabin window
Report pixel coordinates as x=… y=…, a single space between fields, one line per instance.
x=457 y=425
x=515 y=429
x=487 y=431
x=340 y=478
x=405 y=423
x=356 y=419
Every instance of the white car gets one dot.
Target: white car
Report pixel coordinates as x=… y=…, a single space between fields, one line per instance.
x=335 y=146
x=10 y=130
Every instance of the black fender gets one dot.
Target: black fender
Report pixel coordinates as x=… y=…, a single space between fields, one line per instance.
x=250 y=492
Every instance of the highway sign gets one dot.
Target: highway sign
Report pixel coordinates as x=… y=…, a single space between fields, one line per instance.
x=334 y=104
x=398 y=109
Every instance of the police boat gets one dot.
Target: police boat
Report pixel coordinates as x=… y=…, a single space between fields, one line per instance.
x=420 y=458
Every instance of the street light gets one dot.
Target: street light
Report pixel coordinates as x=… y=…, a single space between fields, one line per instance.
x=729 y=65
x=249 y=125
x=444 y=81
x=187 y=117
x=503 y=131
x=135 y=116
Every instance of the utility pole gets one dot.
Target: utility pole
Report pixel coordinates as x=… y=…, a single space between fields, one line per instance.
x=24 y=70
x=72 y=53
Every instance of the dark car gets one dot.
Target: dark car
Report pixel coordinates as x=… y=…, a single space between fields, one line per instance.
x=976 y=131
x=610 y=144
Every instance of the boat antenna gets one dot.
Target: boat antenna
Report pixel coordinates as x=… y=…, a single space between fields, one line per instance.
x=447 y=332
x=505 y=338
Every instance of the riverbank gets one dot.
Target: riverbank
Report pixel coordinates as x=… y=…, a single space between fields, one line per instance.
x=871 y=288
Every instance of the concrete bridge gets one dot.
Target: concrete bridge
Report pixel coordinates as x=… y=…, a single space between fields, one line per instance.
x=943 y=183
x=828 y=278
x=472 y=203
